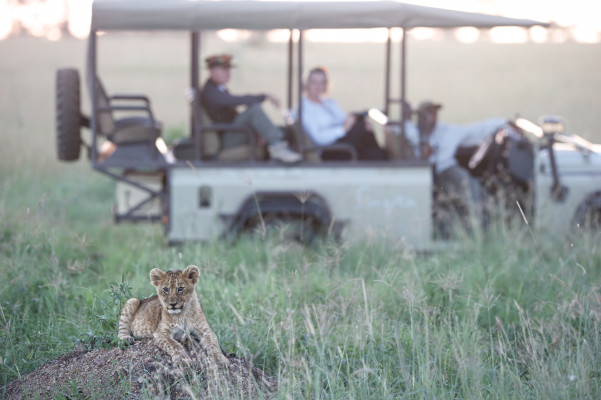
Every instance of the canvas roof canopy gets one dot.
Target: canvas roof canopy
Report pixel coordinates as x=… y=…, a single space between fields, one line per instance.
x=199 y=15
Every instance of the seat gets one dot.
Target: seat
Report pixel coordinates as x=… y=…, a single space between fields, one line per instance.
x=128 y=129
x=312 y=151
x=132 y=137
x=397 y=145
x=205 y=143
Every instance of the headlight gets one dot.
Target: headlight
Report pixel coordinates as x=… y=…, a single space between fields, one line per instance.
x=551 y=124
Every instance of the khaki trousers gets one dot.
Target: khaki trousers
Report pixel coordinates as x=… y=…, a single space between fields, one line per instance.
x=254 y=118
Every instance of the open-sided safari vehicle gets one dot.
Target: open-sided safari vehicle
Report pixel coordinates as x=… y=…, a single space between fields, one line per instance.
x=202 y=192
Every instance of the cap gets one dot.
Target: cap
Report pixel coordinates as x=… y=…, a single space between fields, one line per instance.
x=220 y=60
x=428 y=105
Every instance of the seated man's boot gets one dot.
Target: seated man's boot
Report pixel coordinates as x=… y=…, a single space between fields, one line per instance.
x=281 y=152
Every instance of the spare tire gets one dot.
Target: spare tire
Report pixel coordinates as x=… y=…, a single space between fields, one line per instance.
x=68 y=115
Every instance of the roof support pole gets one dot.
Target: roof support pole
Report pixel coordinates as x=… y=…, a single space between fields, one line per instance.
x=194 y=84
x=300 y=75
x=387 y=74
x=290 y=68
x=403 y=75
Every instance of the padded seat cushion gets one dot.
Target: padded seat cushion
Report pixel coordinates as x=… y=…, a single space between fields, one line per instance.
x=135 y=129
x=184 y=150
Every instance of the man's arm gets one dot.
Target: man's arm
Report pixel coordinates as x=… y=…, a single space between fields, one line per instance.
x=215 y=97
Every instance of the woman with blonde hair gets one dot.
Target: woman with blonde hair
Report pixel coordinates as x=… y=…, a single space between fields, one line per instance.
x=326 y=123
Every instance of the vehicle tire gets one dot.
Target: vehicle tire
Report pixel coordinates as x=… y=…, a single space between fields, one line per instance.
x=588 y=215
x=285 y=228
x=68 y=115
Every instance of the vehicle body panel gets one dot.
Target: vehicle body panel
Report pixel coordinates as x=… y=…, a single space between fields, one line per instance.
x=579 y=173
x=381 y=200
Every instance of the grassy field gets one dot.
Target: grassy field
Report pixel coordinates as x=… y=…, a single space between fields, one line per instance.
x=509 y=316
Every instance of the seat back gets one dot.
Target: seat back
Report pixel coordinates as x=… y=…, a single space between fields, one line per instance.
x=211 y=140
x=132 y=128
x=104 y=119
x=303 y=142
x=397 y=145
x=211 y=144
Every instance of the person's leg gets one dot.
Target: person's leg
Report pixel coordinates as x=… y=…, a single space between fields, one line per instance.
x=458 y=182
x=255 y=118
x=464 y=192
x=363 y=141
x=354 y=136
x=351 y=138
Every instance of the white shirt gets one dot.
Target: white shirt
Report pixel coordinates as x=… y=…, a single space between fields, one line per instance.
x=447 y=138
x=323 y=122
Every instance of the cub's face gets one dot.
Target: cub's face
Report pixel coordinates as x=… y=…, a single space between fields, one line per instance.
x=175 y=288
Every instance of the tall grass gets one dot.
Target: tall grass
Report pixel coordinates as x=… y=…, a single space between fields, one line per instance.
x=504 y=316
x=509 y=315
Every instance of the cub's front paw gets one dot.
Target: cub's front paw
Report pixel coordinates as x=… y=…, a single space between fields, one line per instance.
x=222 y=360
x=125 y=341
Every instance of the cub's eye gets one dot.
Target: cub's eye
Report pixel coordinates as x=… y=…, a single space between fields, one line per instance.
x=165 y=290
x=180 y=289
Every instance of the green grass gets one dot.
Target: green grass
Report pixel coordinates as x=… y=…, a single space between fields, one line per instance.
x=502 y=317
x=513 y=315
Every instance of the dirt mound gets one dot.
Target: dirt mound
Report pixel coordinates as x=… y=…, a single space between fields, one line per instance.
x=141 y=370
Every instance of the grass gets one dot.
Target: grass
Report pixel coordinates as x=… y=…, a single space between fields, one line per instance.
x=506 y=317
x=512 y=315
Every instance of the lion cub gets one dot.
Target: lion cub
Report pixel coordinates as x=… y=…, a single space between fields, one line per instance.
x=174 y=308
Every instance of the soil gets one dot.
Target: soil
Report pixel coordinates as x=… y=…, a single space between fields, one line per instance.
x=141 y=371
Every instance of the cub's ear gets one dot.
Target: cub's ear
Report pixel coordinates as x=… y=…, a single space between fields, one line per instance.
x=191 y=272
x=156 y=275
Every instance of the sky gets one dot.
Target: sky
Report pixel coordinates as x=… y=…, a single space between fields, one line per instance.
x=580 y=18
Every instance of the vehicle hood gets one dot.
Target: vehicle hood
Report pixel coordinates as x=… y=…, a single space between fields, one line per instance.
x=571 y=158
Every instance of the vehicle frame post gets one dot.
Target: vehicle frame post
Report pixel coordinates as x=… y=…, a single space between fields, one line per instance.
x=403 y=75
x=91 y=76
x=194 y=84
x=387 y=73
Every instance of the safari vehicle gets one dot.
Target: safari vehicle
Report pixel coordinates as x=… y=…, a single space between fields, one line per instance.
x=202 y=192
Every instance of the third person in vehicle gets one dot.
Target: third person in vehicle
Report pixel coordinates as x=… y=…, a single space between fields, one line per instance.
x=441 y=142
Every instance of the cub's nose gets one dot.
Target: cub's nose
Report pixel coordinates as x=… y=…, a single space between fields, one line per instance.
x=173 y=303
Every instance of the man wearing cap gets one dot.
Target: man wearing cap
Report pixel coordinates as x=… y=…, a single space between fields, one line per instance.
x=222 y=107
x=441 y=144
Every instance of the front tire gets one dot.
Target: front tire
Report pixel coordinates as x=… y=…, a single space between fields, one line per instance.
x=68 y=115
x=588 y=215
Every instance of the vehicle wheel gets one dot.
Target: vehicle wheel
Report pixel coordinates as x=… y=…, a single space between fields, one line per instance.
x=588 y=215
x=285 y=228
x=68 y=115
